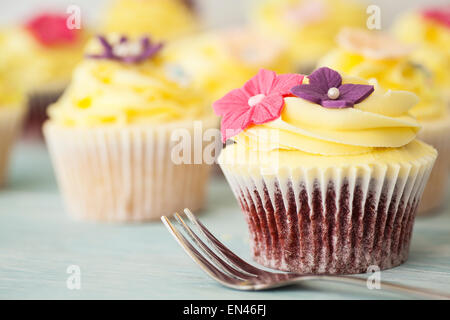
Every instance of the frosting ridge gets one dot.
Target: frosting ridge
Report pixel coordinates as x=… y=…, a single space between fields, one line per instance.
x=116 y=93
x=381 y=121
x=388 y=63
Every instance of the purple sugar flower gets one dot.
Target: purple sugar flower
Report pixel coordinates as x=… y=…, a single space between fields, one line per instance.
x=325 y=88
x=127 y=51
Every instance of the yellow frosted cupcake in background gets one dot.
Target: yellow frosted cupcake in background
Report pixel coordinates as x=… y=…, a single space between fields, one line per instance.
x=166 y=19
x=41 y=55
x=114 y=135
x=327 y=170
x=429 y=31
x=308 y=26
x=374 y=55
x=218 y=61
x=12 y=111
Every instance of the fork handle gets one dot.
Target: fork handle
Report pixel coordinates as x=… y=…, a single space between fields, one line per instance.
x=384 y=285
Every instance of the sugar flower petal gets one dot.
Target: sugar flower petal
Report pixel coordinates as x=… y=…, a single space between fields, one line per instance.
x=261 y=83
x=234 y=122
x=284 y=82
x=308 y=92
x=325 y=88
x=259 y=101
x=355 y=92
x=325 y=78
x=233 y=100
x=337 y=104
x=268 y=109
x=127 y=51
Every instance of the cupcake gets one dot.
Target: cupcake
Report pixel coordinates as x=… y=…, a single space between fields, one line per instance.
x=307 y=26
x=218 y=61
x=41 y=55
x=125 y=139
x=12 y=111
x=166 y=19
x=370 y=54
x=429 y=31
x=327 y=170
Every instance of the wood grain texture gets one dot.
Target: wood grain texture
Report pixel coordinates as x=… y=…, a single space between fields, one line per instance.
x=38 y=242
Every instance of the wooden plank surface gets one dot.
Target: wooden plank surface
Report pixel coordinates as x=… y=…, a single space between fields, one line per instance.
x=38 y=242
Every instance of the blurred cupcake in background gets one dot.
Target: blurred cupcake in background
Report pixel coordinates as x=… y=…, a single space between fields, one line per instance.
x=166 y=19
x=374 y=55
x=12 y=111
x=327 y=170
x=429 y=31
x=218 y=61
x=110 y=135
x=308 y=27
x=41 y=55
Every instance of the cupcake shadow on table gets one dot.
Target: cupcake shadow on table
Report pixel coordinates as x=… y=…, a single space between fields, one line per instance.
x=111 y=135
x=327 y=170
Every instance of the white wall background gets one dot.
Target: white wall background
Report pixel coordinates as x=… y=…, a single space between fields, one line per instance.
x=216 y=12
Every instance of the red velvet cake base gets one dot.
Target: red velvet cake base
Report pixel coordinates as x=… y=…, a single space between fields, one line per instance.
x=37 y=113
x=342 y=234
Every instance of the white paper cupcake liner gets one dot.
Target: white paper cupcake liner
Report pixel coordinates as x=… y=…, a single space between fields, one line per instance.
x=436 y=134
x=333 y=220
x=124 y=174
x=10 y=126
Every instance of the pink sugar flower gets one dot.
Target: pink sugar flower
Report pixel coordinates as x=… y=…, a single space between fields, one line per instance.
x=440 y=15
x=259 y=101
x=51 y=29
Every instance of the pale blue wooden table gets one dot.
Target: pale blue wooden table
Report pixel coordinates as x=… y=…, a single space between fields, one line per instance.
x=38 y=242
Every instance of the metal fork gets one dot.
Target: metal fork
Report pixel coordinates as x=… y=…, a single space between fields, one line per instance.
x=221 y=264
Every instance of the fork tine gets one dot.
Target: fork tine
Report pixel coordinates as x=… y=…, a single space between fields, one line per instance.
x=211 y=254
x=211 y=270
x=233 y=259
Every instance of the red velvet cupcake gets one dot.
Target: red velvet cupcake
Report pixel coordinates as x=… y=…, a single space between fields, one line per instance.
x=326 y=169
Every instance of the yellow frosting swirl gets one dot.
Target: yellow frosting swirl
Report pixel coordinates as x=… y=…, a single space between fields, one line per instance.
x=433 y=44
x=216 y=62
x=161 y=19
x=380 y=121
x=106 y=92
x=394 y=71
x=10 y=96
x=308 y=26
x=33 y=66
x=10 y=93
